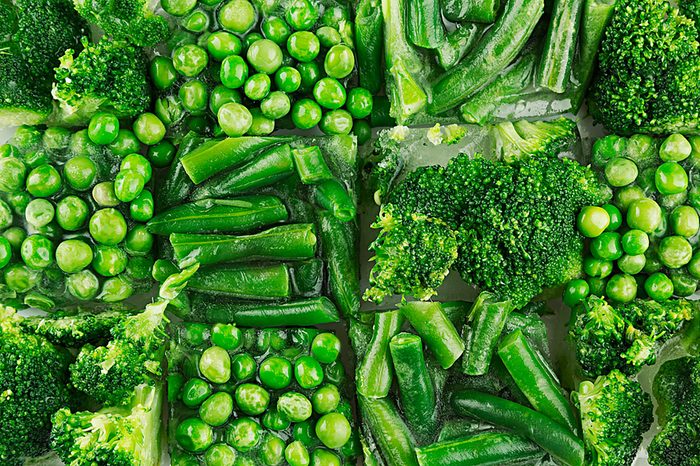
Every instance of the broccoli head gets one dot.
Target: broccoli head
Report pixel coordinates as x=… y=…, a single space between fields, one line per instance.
x=73 y=330
x=106 y=76
x=523 y=138
x=649 y=71
x=691 y=9
x=23 y=99
x=33 y=386
x=134 y=21
x=117 y=436
x=615 y=413
x=413 y=255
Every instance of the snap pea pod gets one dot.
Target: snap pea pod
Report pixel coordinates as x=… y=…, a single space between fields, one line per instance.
x=457 y=44
x=177 y=186
x=244 y=281
x=487 y=319
x=390 y=432
x=436 y=330
x=494 y=52
x=374 y=373
x=560 y=45
x=285 y=242
x=425 y=27
x=332 y=196
x=369 y=41
x=265 y=170
x=314 y=311
x=477 y=11
x=339 y=251
x=216 y=156
x=415 y=387
x=311 y=166
x=220 y=216
x=486 y=449
x=551 y=436
x=535 y=381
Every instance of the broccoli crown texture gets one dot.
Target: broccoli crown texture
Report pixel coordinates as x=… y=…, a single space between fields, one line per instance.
x=74 y=330
x=133 y=357
x=130 y=20
x=115 y=436
x=615 y=413
x=106 y=76
x=524 y=138
x=649 y=71
x=625 y=336
x=691 y=9
x=33 y=386
x=23 y=99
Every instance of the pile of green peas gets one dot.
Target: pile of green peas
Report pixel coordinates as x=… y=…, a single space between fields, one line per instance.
x=254 y=71
x=265 y=396
x=645 y=243
x=73 y=208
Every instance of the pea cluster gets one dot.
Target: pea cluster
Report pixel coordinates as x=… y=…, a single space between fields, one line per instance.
x=254 y=70
x=261 y=396
x=73 y=226
x=645 y=242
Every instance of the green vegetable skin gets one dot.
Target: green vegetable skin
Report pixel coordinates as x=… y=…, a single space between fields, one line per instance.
x=560 y=45
x=457 y=44
x=369 y=40
x=499 y=46
x=486 y=322
x=554 y=438
x=340 y=253
x=431 y=323
x=177 y=185
x=220 y=216
x=374 y=373
x=486 y=449
x=244 y=281
x=425 y=28
x=536 y=380
x=395 y=440
x=286 y=242
x=479 y=11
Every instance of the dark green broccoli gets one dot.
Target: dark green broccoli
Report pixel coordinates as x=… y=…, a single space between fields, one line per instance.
x=524 y=138
x=691 y=9
x=134 y=21
x=133 y=357
x=23 y=99
x=74 y=330
x=106 y=76
x=115 y=436
x=33 y=386
x=625 y=336
x=615 y=413
x=649 y=71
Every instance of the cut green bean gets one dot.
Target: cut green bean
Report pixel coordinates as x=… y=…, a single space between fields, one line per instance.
x=315 y=311
x=374 y=373
x=311 y=166
x=220 y=216
x=415 y=387
x=535 y=380
x=487 y=319
x=307 y=277
x=332 y=196
x=177 y=186
x=476 y=11
x=551 y=436
x=369 y=40
x=285 y=243
x=457 y=44
x=560 y=45
x=340 y=252
x=425 y=27
x=217 y=156
x=267 y=169
x=485 y=449
x=436 y=330
x=456 y=311
x=454 y=429
x=393 y=437
x=244 y=281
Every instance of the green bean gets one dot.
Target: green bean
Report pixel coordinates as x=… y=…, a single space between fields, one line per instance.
x=369 y=40
x=551 y=436
x=266 y=169
x=456 y=311
x=311 y=166
x=536 y=380
x=340 y=253
x=486 y=321
x=485 y=449
x=438 y=333
x=457 y=44
x=220 y=216
x=314 y=311
x=393 y=437
x=374 y=373
x=244 y=281
x=285 y=242
x=425 y=27
x=477 y=11
x=216 y=156
x=307 y=277
x=560 y=45
x=454 y=429
x=332 y=196
x=415 y=387
x=177 y=185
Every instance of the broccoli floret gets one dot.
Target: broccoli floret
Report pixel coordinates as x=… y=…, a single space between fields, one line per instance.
x=673 y=386
x=133 y=357
x=134 y=21
x=8 y=21
x=615 y=413
x=106 y=76
x=33 y=386
x=74 y=330
x=413 y=255
x=691 y=9
x=23 y=99
x=123 y=436
x=649 y=71
x=524 y=138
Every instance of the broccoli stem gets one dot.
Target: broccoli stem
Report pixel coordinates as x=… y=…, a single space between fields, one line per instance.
x=374 y=373
x=440 y=336
x=369 y=40
x=425 y=28
x=497 y=448
x=244 y=281
x=487 y=319
x=478 y=11
x=392 y=435
x=560 y=45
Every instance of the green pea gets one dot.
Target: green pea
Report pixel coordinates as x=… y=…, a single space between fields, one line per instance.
x=671 y=178
x=178 y=7
x=272 y=450
x=675 y=251
x=80 y=144
x=675 y=148
x=276 y=105
x=274 y=420
x=304 y=433
x=251 y=38
x=222 y=95
x=310 y=74
x=116 y=289
x=222 y=44
x=607 y=246
x=226 y=336
x=694 y=265
x=321 y=457
x=308 y=372
x=5 y=252
x=138 y=269
x=360 y=103
x=659 y=287
x=39 y=213
x=235 y=119
x=234 y=72
x=306 y=114
x=220 y=454
x=336 y=122
x=149 y=129
x=43 y=181
x=295 y=406
x=15 y=235
x=12 y=174
x=276 y=29
x=169 y=110
x=325 y=348
x=632 y=265
x=252 y=399
x=243 y=367
x=296 y=454
x=645 y=215
x=194 y=435
x=328 y=36
x=363 y=131
x=195 y=392
x=325 y=399
x=333 y=430
x=107 y=226
x=103 y=194
x=329 y=93
x=597 y=268
x=626 y=196
x=237 y=16
x=592 y=221
x=103 y=128
x=265 y=56
x=339 y=61
x=620 y=172
x=139 y=164
x=575 y=292
x=189 y=60
x=303 y=46
x=139 y=241
x=197 y=21
x=257 y=87
x=56 y=138
x=163 y=73
x=608 y=147
x=288 y=79
x=215 y=364
x=125 y=143
x=20 y=278
x=83 y=285
x=334 y=15
x=243 y=434
x=128 y=184
x=194 y=96
x=80 y=172
x=301 y=14
x=261 y=125
x=216 y=409
x=37 y=252
x=275 y=372
x=635 y=242
x=73 y=255
x=685 y=221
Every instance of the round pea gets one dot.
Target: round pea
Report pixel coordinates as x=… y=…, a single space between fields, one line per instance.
x=671 y=178
x=15 y=235
x=178 y=7
x=339 y=61
x=325 y=347
x=138 y=268
x=301 y=15
x=12 y=174
x=272 y=450
x=237 y=16
x=274 y=420
x=276 y=105
x=328 y=36
x=336 y=122
x=597 y=268
x=635 y=242
x=107 y=226
x=321 y=457
x=215 y=364
x=219 y=454
x=109 y=261
x=139 y=241
x=620 y=172
x=276 y=29
x=363 y=131
x=226 y=336
x=20 y=278
x=80 y=172
x=276 y=372
x=37 y=252
x=288 y=79
x=252 y=399
x=694 y=266
x=659 y=287
x=83 y=285
x=128 y=184
x=684 y=285
x=197 y=21
x=308 y=372
x=149 y=129
x=216 y=409
x=333 y=430
x=265 y=56
x=116 y=289
x=257 y=87
x=126 y=143
x=56 y=138
x=73 y=255
x=39 y=213
x=632 y=265
x=685 y=221
x=243 y=434
x=303 y=46
x=234 y=72
x=139 y=164
x=334 y=15
x=261 y=125
x=575 y=292
x=675 y=252
x=195 y=392
x=103 y=128
x=329 y=93
x=194 y=96
x=675 y=148
x=222 y=95
x=295 y=406
x=194 y=435
x=360 y=103
x=222 y=44
x=162 y=154
x=43 y=181
x=592 y=221
x=235 y=119
x=645 y=215
x=310 y=74
x=296 y=454
x=306 y=114
x=189 y=60
x=5 y=252
x=163 y=73
x=607 y=246
x=243 y=367
x=626 y=196
x=5 y=215
x=325 y=399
